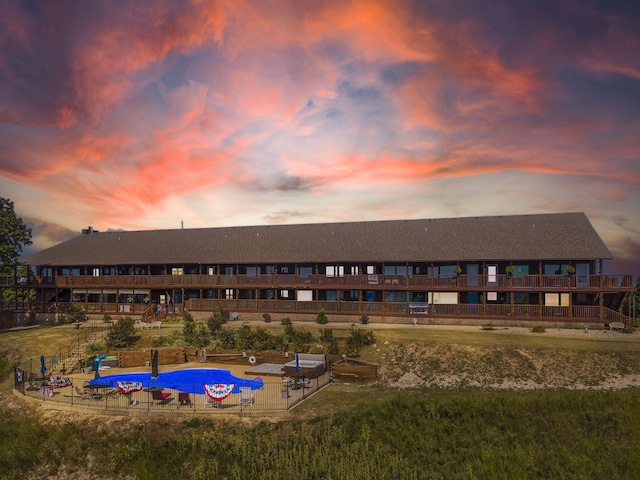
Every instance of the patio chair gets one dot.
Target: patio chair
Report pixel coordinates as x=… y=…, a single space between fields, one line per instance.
x=162 y=397
x=246 y=396
x=210 y=402
x=83 y=394
x=184 y=399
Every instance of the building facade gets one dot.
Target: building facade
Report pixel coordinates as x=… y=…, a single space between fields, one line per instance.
x=545 y=267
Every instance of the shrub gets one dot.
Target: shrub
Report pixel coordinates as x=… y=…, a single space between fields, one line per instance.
x=244 y=338
x=73 y=313
x=263 y=340
x=488 y=326
x=326 y=335
x=538 y=329
x=300 y=337
x=364 y=319
x=322 y=317
x=195 y=335
x=266 y=317
x=94 y=347
x=162 y=341
x=217 y=320
x=121 y=334
x=359 y=338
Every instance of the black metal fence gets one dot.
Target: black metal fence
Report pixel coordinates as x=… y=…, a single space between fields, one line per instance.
x=277 y=395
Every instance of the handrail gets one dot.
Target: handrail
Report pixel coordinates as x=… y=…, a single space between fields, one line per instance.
x=376 y=281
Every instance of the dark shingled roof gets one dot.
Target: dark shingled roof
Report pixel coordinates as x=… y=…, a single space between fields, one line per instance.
x=560 y=236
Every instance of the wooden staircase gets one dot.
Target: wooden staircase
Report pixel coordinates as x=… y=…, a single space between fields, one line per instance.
x=71 y=358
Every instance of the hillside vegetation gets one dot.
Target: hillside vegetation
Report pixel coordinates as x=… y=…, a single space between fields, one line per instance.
x=449 y=403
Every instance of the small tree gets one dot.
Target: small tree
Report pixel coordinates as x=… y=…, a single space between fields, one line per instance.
x=300 y=339
x=357 y=339
x=74 y=312
x=322 y=317
x=289 y=331
x=195 y=335
x=244 y=338
x=121 y=334
x=14 y=235
x=216 y=321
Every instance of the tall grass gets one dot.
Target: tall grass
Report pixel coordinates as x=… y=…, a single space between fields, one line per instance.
x=468 y=435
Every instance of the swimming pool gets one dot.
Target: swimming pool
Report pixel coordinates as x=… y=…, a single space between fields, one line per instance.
x=191 y=380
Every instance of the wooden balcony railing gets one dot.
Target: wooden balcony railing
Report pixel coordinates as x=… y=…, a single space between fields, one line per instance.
x=369 y=282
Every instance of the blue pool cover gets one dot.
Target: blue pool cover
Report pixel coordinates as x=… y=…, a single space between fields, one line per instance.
x=188 y=380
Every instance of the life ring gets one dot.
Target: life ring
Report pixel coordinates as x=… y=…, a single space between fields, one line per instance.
x=252 y=360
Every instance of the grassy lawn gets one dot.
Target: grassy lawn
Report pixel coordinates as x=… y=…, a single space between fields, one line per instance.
x=358 y=432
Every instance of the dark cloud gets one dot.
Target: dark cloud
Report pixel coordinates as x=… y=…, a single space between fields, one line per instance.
x=627 y=261
x=294 y=183
x=399 y=73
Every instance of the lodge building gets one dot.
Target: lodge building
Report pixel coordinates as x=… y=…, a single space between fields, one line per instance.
x=545 y=267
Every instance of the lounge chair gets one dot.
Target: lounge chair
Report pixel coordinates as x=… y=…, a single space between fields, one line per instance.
x=184 y=399
x=162 y=397
x=246 y=396
x=81 y=393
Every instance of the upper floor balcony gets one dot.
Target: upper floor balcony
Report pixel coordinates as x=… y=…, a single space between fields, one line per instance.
x=535 y=282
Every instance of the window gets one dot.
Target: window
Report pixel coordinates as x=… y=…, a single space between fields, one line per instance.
x=399 y=270
x=371 y=269
x=445 y=298
x=96 y=271
x=284 y=293
x=305 y=295
x=492 y=275
x=177 y=271
x=335 y=271
x=228 y=294
x=556 y=299
x=354 y=270
x=390 y=296
x=211 y=271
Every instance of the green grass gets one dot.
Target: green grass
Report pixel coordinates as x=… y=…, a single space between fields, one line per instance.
x=347 y=431
x=464 y=435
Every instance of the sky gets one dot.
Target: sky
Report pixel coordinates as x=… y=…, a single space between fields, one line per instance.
x=167 y=113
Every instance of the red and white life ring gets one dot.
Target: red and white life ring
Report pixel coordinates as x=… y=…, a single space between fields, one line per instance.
x=252 y=360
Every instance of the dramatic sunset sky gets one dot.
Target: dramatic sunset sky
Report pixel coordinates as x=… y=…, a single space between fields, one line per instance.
x=142 y=114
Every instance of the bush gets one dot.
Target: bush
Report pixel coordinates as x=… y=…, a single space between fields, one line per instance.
x=194 y=335
x=121 y=334
x=94 y=347
x=488 y=326
x=73 y=313
x=266 y=317
x=322 y=317
x=217 y=320
x=357 y=339
x=364 y=319
x=326 y=335
x=538 y=329
x=300 y=338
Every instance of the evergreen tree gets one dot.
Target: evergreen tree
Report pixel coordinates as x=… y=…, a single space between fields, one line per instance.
x=14 y=235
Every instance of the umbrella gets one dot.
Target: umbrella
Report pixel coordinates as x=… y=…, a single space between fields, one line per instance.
x=154 y=363
x=43 y=368
x=297 y=363
x=154 y=366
